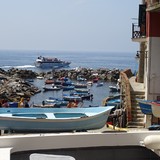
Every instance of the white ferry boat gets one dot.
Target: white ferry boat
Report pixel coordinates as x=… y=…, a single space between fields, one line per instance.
x=53 y=63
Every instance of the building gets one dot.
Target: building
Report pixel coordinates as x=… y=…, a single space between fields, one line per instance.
x=147 y=33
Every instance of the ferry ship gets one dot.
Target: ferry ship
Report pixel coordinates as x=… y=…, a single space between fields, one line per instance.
x=53 y=63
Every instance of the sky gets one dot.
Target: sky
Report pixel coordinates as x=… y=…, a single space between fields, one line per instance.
x=68 y=25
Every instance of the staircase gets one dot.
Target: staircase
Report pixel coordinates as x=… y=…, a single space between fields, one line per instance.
x=136 y=114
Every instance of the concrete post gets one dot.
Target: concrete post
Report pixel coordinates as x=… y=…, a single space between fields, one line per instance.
x=140 y=77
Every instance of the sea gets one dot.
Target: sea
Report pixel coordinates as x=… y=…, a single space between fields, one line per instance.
x=109 y=60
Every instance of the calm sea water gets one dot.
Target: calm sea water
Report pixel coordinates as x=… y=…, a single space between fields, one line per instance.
x=110 y=60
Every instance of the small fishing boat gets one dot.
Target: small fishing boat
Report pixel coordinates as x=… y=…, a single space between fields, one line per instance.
x=53 y=119
x=45 y=105
x=84 y=96
x=52 y=88
x=49 y=81
x=90 y=83
x=156 y=108
x=57 y=102
x=114 y=89
x=95 y=80
x=145 y=106
x=80 y=85
x=100 y=84
x=68 y=88
x=81 y=78
x=82 y=90
x=72 y=98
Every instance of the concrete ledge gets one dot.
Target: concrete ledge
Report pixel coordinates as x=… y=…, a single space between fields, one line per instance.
x=5 y=153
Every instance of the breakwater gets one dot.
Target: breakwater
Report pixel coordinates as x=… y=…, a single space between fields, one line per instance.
x=15 y=83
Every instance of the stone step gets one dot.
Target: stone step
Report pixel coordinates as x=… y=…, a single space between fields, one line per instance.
x=136 y=112
x=137 y=92
x=138 y=115
x=135 y=124
x=137 y=119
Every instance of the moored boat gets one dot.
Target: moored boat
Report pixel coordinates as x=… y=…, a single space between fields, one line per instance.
x=72 y=98
x=68 y=88
x=53 y=119
x=145 y=106
x=80 y=85
x=82 y=90
x=156 y=108
x=52 y=88
x=100 y=84
x=114 y=89
x=49 y=81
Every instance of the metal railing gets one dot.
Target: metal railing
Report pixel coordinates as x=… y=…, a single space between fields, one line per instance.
x=138 y=32
x=153 y=2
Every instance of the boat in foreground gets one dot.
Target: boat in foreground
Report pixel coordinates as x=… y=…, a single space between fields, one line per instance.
x=156 y=108
x=145 y=106
x=53 y=119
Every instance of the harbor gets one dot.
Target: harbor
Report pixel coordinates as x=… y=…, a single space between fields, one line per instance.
x=87 y=105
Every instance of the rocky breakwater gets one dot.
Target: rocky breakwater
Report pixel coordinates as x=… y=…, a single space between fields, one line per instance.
x=88 y=74
x=13 y=84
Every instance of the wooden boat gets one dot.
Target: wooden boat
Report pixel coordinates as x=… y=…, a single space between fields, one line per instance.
x=84 y=96
x=72 y=98
x=99 y=84
x=52 y=88
x=80 y=85
x=90 y=83
x=114 y=89
x=49 y=81
x=53 y=119
x=57 y=102
x=95 y=80
x=82 y=90
x=156 y=108
x=53 y=105
x=68 y=88
x=145 y=106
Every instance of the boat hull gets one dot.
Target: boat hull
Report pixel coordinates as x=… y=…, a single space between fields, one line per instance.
x=65 y=119
x=52 y=65
x=156 y=109
x=145 y=107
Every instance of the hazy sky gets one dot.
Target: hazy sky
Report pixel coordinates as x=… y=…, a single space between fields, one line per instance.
x=68 y=25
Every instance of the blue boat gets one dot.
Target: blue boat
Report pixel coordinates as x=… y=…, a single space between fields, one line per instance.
x=100 y=84
x=68 y=88
x=146 y=106
x=53 y=119
x=72 y=98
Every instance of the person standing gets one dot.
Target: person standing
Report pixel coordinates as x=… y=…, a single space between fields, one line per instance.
x=21 y=103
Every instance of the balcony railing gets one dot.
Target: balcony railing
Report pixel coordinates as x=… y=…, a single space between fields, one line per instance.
x=152 y=2
x=138 y=32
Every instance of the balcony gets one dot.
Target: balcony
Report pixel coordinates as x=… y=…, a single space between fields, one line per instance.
x=153 y=5
x=138 y=33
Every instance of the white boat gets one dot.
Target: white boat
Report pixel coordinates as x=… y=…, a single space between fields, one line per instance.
x=53 y=63
x=114 y=89
x=52 y=88
x=156 y=109
x=53 y=119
